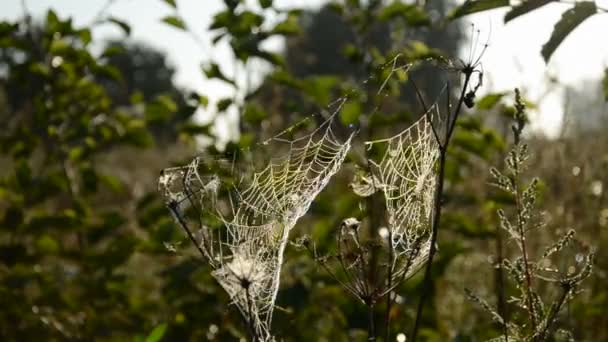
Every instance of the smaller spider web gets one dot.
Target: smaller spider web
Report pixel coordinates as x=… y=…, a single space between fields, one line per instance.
x=405 y=174
x=247 y=253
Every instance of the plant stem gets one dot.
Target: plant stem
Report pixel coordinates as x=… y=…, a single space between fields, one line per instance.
x=250 y=325
x=500 y=280
x=371 y=332
x=437 y=205
x=389 y=302
x=524 y=250
x=427 y=274
x=555 y=309
x=500 y=285
x=173 y=208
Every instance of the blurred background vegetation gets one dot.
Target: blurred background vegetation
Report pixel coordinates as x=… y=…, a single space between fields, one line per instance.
x=88 y=250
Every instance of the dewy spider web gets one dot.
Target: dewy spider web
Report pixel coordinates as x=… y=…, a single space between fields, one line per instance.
x=248 y=253
x=405 y=174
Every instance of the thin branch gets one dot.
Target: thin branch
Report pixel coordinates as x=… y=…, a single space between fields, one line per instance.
x=437 y=206
x=389 y=302
x=371 y=332
x=175 y=211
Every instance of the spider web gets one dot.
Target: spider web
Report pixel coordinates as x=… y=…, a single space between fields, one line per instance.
x=247 y=253
x=406 y=175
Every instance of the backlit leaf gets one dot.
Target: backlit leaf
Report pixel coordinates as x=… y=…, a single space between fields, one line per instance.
x=171 y=3
x=123 y=25
x=525 y=7
x=157 y=334
x=470 y=7
x=568 y=22
x=176 y=22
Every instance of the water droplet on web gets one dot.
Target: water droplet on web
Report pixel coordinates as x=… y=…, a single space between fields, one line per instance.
x=579 y=258
x=170 y=247
x=383 y=232
x=351 y=126
x=596 y=188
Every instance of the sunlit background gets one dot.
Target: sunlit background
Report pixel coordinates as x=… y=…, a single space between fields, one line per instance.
x=513 y=58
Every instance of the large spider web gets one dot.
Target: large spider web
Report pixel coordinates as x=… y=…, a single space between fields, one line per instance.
x=247 y=252
x=406 y=175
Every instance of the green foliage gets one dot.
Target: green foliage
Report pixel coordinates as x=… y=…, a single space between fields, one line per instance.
x=70 y=236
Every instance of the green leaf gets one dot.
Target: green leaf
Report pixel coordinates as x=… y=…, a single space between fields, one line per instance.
x=23 y=174
x=52 y=21
x=6 y=28
x=413 y=15
x=137 y=133
x=175 y=22
x=568 y=22
x=123 y=25
x=319 y=88
x=203 y=101
x=213 y=71
x=254 y=113
x=350 y=112
x=112 y=182
x=223 y=104
x=167 y=102
x=288 y=26
x=89 y=180
x=231 y=4
x=113 y=50
x=246 y=140
x=171 y=3
x=108 y=71
x=59 y=46
x=13 y=217
x=605 y=83
x=489 y=101
x=137 y=97
x=157 y=333
x=524 y=7
x=47 y=245
x=85 y=36
x=470 y=7
x=194 y=129
x=265 y=3
x=274 y=58
x=221 y=20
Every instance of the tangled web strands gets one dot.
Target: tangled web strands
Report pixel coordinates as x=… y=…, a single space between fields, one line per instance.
x=406 y=176
x=248 y=254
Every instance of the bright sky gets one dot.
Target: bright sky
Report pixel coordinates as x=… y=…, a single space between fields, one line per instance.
x=512 y=60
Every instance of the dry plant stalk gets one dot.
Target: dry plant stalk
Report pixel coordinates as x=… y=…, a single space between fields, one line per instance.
x=528 y=271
